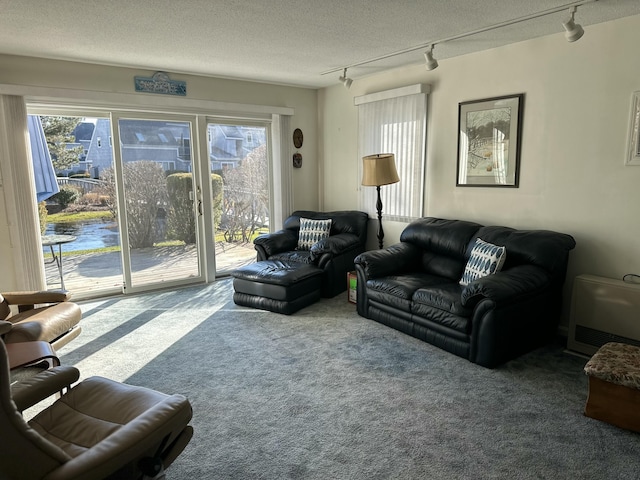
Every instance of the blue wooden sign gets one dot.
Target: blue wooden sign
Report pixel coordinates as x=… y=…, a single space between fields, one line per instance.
x=160 y=83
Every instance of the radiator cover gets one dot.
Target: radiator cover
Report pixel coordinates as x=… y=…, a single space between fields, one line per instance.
x=603 y=310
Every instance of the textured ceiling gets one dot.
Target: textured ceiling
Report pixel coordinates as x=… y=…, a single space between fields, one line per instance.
x=274 y=41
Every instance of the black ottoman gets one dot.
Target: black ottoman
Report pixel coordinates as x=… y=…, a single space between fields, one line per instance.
x=276 y=285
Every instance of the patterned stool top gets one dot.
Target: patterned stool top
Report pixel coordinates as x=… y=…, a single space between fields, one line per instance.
x=617 y=363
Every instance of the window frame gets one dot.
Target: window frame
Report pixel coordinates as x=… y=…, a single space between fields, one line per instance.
x=410 y=148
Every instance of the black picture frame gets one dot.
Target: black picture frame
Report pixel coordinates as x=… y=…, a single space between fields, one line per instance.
x=489 y=138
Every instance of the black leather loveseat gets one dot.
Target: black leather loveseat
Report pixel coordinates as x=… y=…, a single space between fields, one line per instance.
x=333 y=255
x=414 y=286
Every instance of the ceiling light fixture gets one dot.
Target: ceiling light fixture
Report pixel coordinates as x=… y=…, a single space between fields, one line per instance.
x=346 y=81
x=431 y=63
x=574 y=31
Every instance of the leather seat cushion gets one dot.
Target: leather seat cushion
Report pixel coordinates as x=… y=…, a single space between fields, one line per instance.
x=446 y=296
x=82 y=418
x=298 y=256
x=277 y=272
x=432 y=317
x=442 y=305
x=424 y=295
x=398 y=290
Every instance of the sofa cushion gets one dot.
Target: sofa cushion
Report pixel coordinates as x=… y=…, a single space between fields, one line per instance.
x=441 y=265
x=300 y=256
x=312 y=231
x=442 y=237
x=442 y=322
x=343 y=221
x=543 y=248
x=398 y=290
x=445 y=296
x=485 y=259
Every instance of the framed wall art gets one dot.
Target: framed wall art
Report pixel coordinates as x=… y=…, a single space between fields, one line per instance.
x=633 y=157
x=489 y=135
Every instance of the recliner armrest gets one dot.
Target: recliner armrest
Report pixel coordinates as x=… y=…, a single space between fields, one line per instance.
x=398 y=258
x=276 y=242
x=31 y=298
x=506 y=285
x=334 y=245
x=27 y=393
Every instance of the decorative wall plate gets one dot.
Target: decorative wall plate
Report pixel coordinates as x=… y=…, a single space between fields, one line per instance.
x=297 y=138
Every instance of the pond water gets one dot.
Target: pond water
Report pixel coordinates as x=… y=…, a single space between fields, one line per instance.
x=89 y=235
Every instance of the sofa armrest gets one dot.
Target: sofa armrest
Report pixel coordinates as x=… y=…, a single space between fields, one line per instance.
x=397 y=258
x=505 y=285
x=334 y=245
x=276 y=242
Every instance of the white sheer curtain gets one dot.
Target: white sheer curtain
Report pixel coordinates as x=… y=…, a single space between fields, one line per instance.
x=282 y=194
x=19 y=197
x=395 y=122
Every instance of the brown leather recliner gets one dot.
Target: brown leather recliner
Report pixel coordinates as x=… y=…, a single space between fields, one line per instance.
x=99 y=429
x=47 y=316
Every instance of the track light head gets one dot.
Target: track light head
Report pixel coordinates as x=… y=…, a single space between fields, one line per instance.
x=346 y=81
x=574 y=31
x=431 y=63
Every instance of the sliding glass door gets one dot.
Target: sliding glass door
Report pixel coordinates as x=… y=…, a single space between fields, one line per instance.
x=239 y=161
x=148 y=200
x=125 y=218
x=72 y=157
x=157 y=198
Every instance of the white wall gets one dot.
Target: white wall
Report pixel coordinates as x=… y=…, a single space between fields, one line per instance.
x=575 y=139
x=23 y=71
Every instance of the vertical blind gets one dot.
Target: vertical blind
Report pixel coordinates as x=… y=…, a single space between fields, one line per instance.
x=395 y=122
x=17 y=187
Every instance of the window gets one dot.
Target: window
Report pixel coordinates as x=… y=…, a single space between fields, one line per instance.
x=394 y=121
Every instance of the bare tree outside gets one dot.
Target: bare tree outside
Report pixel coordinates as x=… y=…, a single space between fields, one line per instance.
x=146 y=200
x=246 y=197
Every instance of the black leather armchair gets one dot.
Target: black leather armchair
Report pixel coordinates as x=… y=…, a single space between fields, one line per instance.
x=334 y=255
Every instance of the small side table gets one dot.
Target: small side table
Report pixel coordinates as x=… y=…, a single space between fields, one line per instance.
x=614 y=385
x=50 y=241
x=24 y=354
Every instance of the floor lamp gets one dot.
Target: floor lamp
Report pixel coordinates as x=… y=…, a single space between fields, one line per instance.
x=378 y=170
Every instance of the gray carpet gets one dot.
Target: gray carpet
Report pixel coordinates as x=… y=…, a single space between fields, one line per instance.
x=326 y=394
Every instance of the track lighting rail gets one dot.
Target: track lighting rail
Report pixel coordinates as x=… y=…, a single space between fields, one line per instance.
x=431 y=44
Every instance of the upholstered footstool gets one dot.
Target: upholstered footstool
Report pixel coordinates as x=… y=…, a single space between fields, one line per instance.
x=614 y=385
x=276 y=285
